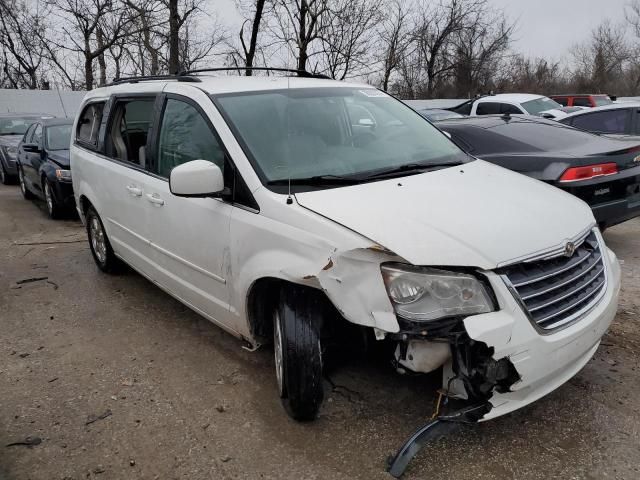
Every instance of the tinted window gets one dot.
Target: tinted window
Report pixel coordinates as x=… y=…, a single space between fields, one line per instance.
x=37 y=135
x=58 y=137
x=184 y=136
x=564 y=101
x=510 y=109
x=611 y=121
x=128 y=130
x=581 y=102
x=89 y=124
x=488 y=108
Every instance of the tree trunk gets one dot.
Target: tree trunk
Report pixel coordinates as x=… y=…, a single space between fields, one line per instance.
x=88 y=72
x=174 y=44
x=254 y=35
x=102 y=64
x=302 y=36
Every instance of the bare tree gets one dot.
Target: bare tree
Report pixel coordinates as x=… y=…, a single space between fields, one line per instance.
x=23 y=53
x=250 y=46
x=90 y=28
x=347 y=39
x=393 y=35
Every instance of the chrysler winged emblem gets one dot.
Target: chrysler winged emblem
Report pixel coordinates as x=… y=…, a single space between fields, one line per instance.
x=569 y=249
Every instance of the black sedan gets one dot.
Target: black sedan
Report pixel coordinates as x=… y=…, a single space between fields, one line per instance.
x=12 y=128
x=603 y=172
x=43 y=165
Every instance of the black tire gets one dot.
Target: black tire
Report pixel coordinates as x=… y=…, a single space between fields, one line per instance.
x=99 y=244
x=298 y=352
x=54 y=209
x=5 y=178
x=23 y=186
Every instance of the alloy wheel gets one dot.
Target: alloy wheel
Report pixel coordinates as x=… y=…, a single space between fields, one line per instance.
x=23 y=187
x=48 y=197
x=278 y=353
x=98 y=240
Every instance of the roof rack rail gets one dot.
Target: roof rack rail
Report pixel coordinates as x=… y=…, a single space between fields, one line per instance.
x=147 y=78
x=300 y=73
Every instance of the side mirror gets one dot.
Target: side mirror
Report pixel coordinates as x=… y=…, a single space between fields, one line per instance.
x=366 y=122
x=31 y=147
x=197 y=178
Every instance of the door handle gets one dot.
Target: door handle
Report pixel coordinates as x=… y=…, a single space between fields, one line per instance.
x=155 y=199
x=135 y=191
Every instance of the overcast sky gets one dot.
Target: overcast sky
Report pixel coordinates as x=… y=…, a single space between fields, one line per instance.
x=549 y=28
x=546 y=28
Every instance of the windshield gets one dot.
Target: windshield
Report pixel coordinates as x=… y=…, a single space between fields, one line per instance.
x=59 y=137
x=534 y=107
x=543 y=136
x=15 y=125
x=601 y=100
x=311 y=132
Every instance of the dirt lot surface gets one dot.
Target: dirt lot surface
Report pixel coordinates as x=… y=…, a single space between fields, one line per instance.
x=181 y=399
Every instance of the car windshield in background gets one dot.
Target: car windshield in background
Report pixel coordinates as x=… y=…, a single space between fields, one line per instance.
x=59 y=137
x=543 y=136
x=534 y=107
x=437 y=115
x=14 y=126
x=602 y=100
x=339 y=132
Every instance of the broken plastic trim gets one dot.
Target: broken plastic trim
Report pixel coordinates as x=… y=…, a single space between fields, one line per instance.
x=434 y=430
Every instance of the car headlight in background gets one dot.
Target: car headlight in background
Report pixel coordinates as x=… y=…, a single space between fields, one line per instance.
x=11 y=152
x=426 y=294
x=64 y=175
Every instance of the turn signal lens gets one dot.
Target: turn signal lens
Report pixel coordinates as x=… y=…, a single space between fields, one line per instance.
x=590 y=171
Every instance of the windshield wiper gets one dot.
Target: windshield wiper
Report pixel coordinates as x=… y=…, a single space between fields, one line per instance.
x=316 y=180
x=409 y=167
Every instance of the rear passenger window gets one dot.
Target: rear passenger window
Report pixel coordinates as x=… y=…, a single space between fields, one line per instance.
x=89 y=124
x=510 y=109
x=185 y=135
x=129 y=129
x=581 y=102
x=611 y=121
x=488 y=108
x=564 y=101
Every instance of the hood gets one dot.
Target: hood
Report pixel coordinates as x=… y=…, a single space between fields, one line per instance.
x=475 y=215
x=61 y=157
x=10 y=140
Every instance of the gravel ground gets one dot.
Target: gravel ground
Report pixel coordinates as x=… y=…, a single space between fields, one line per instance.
x=181 y=399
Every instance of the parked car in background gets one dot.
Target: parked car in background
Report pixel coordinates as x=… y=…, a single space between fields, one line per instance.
x=603 y=172
x=328 y=207
x=43 y=165
x=438 y=114
x=614 y=119
x=582 y=100
x=511 y=104
x=12 y=128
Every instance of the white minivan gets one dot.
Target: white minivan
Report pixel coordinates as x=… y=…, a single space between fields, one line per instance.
x=299 y=210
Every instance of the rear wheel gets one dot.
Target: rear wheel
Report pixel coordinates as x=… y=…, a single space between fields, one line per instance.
x=100 y=245
x=23 y=186
x=298 y=352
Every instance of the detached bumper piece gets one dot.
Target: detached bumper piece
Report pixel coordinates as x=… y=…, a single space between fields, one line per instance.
x=432 y=431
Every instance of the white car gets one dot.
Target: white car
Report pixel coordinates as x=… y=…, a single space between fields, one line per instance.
x=512 y=104
x=290 y=208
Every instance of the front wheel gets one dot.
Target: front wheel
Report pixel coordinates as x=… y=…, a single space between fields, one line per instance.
x=53 y=207
x=298 y=352
x=5 y=178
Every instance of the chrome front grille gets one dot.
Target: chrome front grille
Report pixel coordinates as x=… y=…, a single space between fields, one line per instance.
x=557 y=291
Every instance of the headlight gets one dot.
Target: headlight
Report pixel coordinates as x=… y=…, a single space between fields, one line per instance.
x=63 y=174
x=425 y=294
